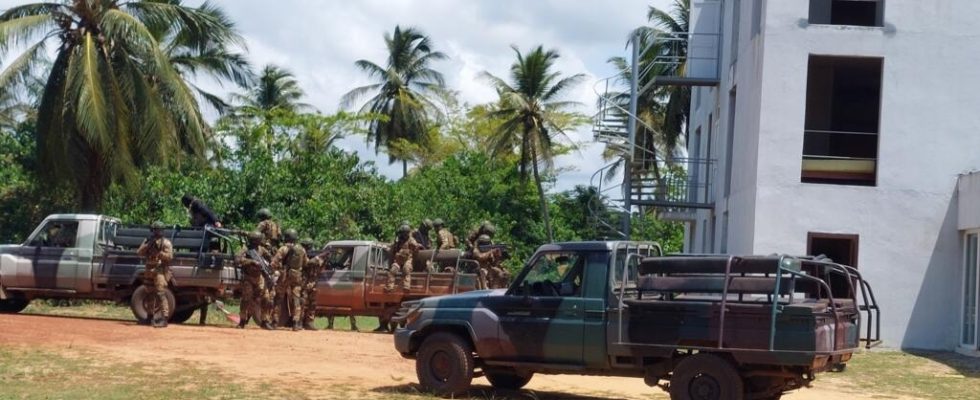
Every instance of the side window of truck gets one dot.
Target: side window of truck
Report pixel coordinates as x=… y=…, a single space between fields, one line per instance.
x=57 y=234
x=625 y=287
x=556 y=274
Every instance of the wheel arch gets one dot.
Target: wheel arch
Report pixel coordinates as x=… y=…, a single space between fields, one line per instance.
x=459 y=328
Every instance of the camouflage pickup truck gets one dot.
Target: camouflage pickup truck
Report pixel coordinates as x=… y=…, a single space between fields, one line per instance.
x=81 y=256
x=708 y=327
x=353 y=282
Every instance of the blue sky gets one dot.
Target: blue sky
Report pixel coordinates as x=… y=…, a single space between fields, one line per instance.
x=319 y=40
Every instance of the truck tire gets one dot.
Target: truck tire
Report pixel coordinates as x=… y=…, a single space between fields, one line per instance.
x=508 y=379
x=13 y=306
x=137 y=303
x=706 y=377
x=444 y=365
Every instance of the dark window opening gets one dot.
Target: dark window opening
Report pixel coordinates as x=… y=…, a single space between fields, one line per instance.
x=843 y=102
x=841 y=249
x=848 y=12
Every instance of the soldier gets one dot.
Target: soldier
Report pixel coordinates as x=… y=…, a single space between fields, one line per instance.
x=444 y=238
x=199 y=212
x=158 y=251
x=311 y=273
x=269 y=229
x=290 y=259
x=485 y=228
x=255 y=293
x=421 y=235
x=403 y=252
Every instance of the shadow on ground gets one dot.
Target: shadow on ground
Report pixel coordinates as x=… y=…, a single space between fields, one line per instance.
x=964 y=365
x=487 y=392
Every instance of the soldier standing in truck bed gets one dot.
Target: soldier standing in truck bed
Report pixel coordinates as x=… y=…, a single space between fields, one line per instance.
x=269 y=229
x=444 y=238
x=199 y=212
x=485 y=228
x=255 y=293
x=158 y=252
x=290 y=259
x=403 y=252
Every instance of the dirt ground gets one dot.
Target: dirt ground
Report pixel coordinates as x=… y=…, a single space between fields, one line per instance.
x=361 y=362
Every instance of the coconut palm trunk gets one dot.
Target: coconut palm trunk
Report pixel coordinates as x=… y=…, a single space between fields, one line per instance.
x=542 y=201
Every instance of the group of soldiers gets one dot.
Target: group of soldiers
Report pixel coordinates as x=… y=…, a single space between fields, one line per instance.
x=491 y=273
x=280 y=272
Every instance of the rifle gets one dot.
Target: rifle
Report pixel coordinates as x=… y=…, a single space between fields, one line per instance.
x=504 y=249
x=264 y=266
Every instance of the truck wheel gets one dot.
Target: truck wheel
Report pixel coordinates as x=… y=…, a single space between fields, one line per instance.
x=13 y=306
x=141 y=299
x=705 y=377
x=444 y=365
x=508 y=380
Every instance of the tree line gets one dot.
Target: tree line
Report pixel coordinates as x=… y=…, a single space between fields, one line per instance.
x=113 y=123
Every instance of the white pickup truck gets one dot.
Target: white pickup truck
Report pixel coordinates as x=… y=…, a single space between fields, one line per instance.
x=85 y=256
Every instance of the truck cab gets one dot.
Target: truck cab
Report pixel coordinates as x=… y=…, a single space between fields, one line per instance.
x=758 y=326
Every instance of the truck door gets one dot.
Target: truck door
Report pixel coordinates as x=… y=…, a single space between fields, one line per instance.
x=336 y=285
x=542 y=318
x=53 y=254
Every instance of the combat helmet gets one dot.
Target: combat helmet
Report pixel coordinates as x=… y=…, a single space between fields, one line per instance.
x=488 y=229
x=255 y=237
x=438 y=223
x=403 y=229
x=290 y=235
x=427 y=224
x=483 y=239
x=264 y=214
x=157 y=225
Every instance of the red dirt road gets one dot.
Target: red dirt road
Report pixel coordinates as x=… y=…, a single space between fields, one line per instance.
x=362 y=363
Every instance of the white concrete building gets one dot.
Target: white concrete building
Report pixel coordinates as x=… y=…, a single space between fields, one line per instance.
x=842 y=127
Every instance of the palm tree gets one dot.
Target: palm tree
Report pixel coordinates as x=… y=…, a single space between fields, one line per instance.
x=276 y=89
x=112 y=100
x=401 y=92
x=215 y=56
x=533 y=116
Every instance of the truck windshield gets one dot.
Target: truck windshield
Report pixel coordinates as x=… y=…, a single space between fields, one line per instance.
x=555 y=274
x=341 y=258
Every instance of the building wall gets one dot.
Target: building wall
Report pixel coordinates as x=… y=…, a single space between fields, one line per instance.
x=909 y=246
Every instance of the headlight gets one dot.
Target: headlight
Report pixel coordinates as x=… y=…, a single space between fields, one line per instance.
x=408 y=313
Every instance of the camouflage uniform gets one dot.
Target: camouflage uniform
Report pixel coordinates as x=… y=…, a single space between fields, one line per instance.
x=290 y=259
x=311 y=273
x=403 y=252
x=158 y=252
x=485 y=228
x=256 y=298
x=270 y=233
x=444 y=238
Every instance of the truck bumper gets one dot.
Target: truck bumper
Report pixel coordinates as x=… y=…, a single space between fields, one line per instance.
x=403 y=340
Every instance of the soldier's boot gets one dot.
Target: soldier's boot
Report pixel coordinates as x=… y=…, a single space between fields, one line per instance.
x=267 y=326
x=243 y=323
x=353 y=324
x=297 y=326
x=330 y=322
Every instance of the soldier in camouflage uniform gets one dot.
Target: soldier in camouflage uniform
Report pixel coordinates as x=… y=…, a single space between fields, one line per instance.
x=403 y=252
x=269 y=230
x=255 y=294
x=445 y=240
x=158 y=251
x=311 y=273
x=290 y=259
x=485 y=228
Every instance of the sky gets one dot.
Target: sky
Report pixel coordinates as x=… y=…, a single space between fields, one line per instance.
x=319 y=40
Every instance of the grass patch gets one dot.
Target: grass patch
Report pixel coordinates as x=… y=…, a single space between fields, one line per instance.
x=38 y=374
x=930 y=375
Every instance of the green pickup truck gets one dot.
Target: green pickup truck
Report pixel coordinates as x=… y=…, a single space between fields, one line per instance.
x=698 y=326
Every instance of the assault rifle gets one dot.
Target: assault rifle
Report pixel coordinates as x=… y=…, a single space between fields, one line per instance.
x=264 y=266
x=504 y=249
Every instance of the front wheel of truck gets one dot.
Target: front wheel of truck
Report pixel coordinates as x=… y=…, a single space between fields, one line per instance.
x=706 y=377
x=141 y=301
x=508 y=380
x=13 y=306
x=444 y=365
